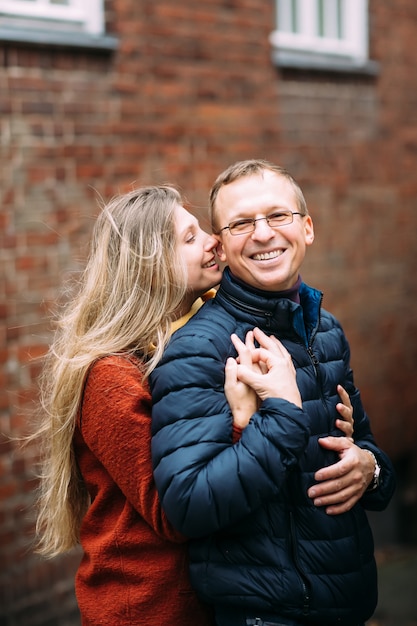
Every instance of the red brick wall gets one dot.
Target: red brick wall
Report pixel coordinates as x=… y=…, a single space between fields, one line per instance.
x=191 y=89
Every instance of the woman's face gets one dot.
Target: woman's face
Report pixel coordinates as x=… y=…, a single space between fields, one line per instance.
x=197 y=248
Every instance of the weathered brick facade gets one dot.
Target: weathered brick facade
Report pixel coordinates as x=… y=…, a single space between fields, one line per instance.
x=190 y=89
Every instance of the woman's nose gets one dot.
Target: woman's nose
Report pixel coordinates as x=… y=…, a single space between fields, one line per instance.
x=211 y=242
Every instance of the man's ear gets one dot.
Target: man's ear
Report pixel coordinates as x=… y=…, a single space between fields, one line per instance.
x=309 y=230
x=219 y=249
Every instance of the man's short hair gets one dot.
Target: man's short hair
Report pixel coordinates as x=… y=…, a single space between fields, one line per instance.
x=240 y=169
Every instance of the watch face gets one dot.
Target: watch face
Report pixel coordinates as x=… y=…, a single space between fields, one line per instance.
x=377 y=470
x=377 y=473
x=375 y=479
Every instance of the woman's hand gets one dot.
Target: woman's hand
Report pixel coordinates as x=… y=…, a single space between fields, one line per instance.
x=242 y=399
x=346 y=423
x=274 y=376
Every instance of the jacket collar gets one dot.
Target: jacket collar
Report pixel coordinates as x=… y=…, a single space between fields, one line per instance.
x=269 y=309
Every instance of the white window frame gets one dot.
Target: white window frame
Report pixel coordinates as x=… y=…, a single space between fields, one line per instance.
x=301 y=44
x=77 y=24
x=80 y=15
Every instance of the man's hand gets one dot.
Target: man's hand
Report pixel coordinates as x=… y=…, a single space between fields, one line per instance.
x=260 y=373
x=342 y=484
x=272 y=373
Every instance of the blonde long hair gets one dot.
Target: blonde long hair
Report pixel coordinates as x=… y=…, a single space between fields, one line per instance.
x=132 y=285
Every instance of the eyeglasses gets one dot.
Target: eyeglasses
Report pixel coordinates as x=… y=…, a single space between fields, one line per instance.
x=247 y=225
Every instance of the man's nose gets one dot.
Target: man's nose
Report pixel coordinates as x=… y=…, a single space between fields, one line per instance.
x=262 y=229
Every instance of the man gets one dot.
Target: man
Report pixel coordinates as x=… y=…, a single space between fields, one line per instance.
x=281 y=536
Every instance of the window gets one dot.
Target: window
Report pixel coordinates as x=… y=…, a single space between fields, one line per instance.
x=322 y=34
x=61 y=22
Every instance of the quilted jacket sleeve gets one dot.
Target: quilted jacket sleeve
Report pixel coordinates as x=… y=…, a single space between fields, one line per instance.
x=205 y=482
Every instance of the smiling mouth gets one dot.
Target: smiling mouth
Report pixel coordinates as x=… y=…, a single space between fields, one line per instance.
x=265 y=256
x=209 y=264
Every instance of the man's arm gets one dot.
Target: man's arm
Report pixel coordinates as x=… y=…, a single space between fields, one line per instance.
x=204 y=481
x=341 y=485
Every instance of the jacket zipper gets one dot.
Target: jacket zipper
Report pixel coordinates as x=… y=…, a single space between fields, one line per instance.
x=316 y=365
x=305 y=583
x=247 y=308
x=314 y=361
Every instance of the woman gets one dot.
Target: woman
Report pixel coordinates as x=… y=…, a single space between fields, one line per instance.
x=149 y=265
x=149 y=262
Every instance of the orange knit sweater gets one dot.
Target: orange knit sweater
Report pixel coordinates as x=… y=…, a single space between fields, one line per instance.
x=135 y=567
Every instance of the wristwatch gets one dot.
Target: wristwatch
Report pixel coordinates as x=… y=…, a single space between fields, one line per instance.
x=374 y=484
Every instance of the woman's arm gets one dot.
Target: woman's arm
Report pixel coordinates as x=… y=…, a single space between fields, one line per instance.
x=116 y=425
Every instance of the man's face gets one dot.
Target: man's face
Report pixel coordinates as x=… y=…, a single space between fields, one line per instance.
x=267 y=258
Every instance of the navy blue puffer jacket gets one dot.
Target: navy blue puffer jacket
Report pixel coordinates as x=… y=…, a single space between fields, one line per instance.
x=258 y=542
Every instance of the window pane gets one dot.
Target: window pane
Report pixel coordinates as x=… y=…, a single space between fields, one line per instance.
x=340 y=19
x=320 y=19
x=82 y=16
x=294 y=16
x=40 y=2
x=317 y=32
x=288 y=15
x=329 y=20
